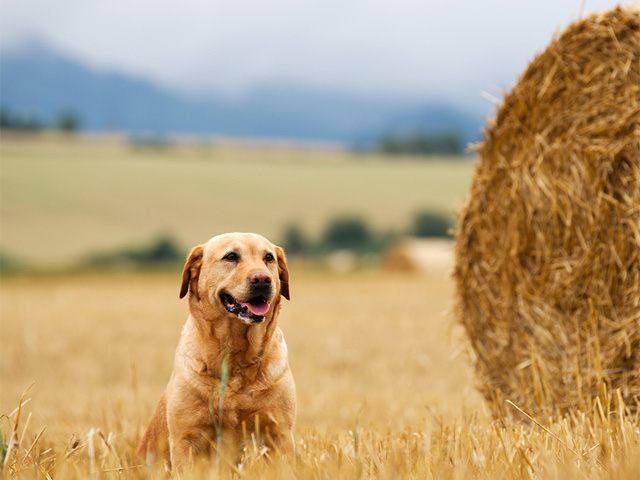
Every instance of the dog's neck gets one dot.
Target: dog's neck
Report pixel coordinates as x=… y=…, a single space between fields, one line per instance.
x=244 y=346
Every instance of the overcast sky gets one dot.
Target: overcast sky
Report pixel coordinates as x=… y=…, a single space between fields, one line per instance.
x=391 y=48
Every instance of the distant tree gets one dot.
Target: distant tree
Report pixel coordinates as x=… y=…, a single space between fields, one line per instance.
x=423 y=143
x=351 y=233
x=10 y=264
x=162 y=251
x=294 y=241
x=431 y=224
x=5 y=119
x=24 y=121
x=68 y=122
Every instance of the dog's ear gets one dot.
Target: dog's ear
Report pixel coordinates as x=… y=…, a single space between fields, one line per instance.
x=191 y=271
x=283 y=273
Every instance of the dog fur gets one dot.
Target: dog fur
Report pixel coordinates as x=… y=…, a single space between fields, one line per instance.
x=230 y=280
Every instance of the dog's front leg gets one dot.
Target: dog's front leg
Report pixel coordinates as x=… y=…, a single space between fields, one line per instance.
x=185 y=449
x=284 y=442
x=229 y=452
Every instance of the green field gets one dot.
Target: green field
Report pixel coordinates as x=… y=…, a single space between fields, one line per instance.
x=64 y=198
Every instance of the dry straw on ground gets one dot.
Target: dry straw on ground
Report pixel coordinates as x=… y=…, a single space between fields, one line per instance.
x=548 y=251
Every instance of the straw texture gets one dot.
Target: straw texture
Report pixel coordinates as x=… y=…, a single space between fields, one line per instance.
x=548 y=248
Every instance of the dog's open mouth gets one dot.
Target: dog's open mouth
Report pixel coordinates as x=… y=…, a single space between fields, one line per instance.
x=252 y=311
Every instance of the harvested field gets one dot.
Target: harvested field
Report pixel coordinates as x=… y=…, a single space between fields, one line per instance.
x=383 y=389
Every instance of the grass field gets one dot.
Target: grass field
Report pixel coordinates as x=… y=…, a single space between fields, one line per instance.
x=384 y=389
x=64 y=198
x=384 y=383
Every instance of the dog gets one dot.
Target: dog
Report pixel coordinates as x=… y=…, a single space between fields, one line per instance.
x=231 y=371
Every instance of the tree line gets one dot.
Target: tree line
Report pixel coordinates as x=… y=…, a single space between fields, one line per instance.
x=422 y=143
x=66 y=121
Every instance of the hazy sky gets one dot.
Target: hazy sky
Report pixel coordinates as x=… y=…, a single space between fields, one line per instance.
x=392 y=48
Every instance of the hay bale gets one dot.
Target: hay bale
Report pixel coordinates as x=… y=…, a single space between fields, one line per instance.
x=548 y=248
x=419 y=255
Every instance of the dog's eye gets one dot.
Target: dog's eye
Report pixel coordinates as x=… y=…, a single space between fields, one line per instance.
x=231 y=257
x=268 y=258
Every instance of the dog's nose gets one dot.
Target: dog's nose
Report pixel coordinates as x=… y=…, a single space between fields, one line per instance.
x=260 y=279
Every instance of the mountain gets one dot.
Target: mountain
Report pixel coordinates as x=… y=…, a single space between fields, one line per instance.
x=43 y=83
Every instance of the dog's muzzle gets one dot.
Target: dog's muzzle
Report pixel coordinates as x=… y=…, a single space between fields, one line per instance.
x=251 y=311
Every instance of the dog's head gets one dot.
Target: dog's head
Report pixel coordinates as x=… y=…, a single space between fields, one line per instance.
x=241 y=274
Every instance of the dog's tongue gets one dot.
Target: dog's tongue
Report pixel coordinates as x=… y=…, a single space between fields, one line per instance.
x=256 y=308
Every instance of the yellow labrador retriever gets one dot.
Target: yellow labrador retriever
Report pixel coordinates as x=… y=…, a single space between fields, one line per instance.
x=231 y=347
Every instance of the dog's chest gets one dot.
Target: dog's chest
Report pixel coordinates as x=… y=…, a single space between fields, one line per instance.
x=238 y=401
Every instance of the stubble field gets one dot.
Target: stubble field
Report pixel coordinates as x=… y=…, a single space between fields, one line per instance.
x=384 y=383
x=365 y=349
x=384 y=387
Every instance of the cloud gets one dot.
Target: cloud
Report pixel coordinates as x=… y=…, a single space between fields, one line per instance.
x=394 y=48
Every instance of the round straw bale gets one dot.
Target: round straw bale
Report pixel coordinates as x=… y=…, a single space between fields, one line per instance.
x=547 y=259
x=419 y=255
